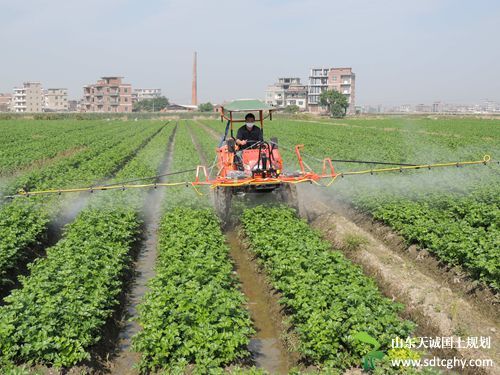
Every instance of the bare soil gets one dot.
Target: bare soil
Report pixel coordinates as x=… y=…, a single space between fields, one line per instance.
x=272 y=346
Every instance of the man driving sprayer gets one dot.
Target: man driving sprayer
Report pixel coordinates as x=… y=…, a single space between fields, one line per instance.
x=248 y=134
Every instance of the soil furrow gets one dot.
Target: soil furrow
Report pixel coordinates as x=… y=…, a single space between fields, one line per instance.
x=267 y=345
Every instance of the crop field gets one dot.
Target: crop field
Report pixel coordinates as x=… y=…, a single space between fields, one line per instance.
x=276 y=295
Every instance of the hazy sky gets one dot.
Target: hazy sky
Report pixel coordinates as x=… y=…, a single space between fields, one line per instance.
x=402 y=51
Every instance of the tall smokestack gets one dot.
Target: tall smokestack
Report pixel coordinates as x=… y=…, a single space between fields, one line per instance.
x=194 y=94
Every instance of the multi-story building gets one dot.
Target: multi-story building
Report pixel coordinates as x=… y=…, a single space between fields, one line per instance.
x=5 y=100
x=72 y=105
x=437 y=107
x=287 y=91
x=318 y=82
x=343 y=80
x=56 y=100
x=490 y=106
x=340 y=79
x=404 y=108
x=142 y=94
x=109 y=94
x=28 y=98
x=423 y=108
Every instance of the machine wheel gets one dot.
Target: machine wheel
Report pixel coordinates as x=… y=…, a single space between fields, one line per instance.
x=288 y=194
x=222 y=202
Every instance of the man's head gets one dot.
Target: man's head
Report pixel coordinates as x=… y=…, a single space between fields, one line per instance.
x=249 y=120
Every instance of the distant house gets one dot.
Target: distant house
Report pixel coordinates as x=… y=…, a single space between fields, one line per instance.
x=5 y=100
x=180 y=108
x=109 y=94
x=143 y=94
x=29 y=98
x=56 y=100
x=287 y=91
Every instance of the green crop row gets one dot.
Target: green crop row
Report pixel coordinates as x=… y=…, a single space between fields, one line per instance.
x=185 y=158
x=60 y=310
x=56 y=314
x=471 y=241
x=93 y=141
x=459 y=225
x=328 y=298
x=27 y=143
x=193 y=313
x=121 y=142
x=206 y=142
x=24 y=222
x=103 y=116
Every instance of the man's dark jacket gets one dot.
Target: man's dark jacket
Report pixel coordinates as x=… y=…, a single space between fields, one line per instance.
x=249 y=135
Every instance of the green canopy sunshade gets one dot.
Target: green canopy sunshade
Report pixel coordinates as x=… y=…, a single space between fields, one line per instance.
x=246 y=105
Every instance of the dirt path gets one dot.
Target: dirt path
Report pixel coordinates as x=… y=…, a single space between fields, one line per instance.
x=144 y=271
x=430 y=302
x=267 y=345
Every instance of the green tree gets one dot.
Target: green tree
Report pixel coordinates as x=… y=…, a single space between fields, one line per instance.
x=291 y=108
x=206 y=107
x=151 y=105
x=335 y=102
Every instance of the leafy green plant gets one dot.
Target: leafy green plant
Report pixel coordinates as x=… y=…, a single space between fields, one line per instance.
x=24 y=223
x=193 y=313
x=328 y=298
x=60 y=310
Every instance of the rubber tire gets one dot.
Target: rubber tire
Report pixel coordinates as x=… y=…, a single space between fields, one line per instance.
x=222 y=202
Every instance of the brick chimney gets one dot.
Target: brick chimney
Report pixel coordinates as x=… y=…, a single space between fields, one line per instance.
x=194 y=94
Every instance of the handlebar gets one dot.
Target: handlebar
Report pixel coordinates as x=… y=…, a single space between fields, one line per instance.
x=255 y=143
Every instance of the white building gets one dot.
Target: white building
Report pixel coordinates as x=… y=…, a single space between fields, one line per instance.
x=318 y=82
x=286 y=92
x=142 y=94
x=28 y=98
